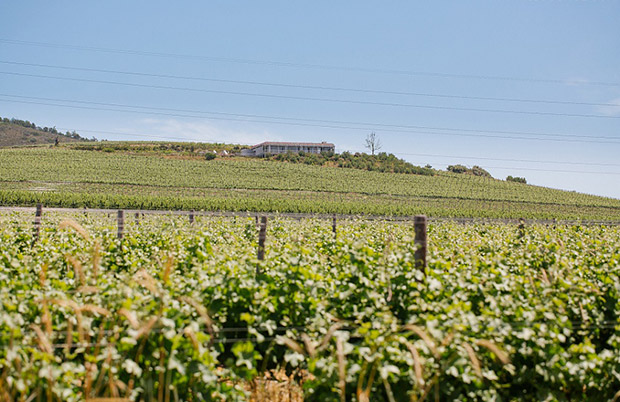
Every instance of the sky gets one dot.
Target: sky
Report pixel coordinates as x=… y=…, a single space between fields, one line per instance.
x=518 y=87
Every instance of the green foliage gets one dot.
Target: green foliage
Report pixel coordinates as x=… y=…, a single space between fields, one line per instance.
x=474 y=170
x=180 y=309
x=516 y=179
x=210 y=156
x=381 y=162
x=457 y=169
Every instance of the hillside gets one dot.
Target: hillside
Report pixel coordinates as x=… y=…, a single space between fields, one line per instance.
x=77 y=178
x=381 y=162
x=181 y=150
x=16 y=133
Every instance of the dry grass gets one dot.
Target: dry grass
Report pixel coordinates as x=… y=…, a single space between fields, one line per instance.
x=275 y=387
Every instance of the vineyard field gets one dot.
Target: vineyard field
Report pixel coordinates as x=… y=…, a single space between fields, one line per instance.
x=180 y=311
x=76 y=178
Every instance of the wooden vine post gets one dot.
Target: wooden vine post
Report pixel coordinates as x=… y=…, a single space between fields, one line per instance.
x=37 y=222
x=191 y=216
x=419 y=224
x=120 y=220
x=521 y=227
x=334 y=225
x=137 y=218
x=262 y=235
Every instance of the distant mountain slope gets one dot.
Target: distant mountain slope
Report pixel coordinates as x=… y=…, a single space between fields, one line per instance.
x=15 y=132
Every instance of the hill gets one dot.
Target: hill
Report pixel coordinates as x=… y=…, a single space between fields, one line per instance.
x=15 y=133
x=180 y=150
x=66 y=177
x=381 y=162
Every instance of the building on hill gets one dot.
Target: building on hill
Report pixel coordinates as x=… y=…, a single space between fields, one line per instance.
x=273 y=148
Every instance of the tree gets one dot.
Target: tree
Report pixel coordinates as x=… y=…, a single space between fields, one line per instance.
x=516 y=179
x=457 y=169
x=373 y=143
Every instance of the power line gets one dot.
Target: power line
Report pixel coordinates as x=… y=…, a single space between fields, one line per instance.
x=241 y=117
x=513 y=160
x=525 y=168
x=303 y=65
x=308 y=125
x=316 y=99
x=369 y=124
x=131 y=134
x=549 y=170
x=327 y=123
x=313 y=87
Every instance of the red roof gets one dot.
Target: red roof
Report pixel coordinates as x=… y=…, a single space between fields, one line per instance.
x=297 y=144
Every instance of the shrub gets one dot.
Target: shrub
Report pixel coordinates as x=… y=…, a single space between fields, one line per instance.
x=457 y=169
x=478 y=171
x=381 y=162
x=475 y=170
x=516 y=179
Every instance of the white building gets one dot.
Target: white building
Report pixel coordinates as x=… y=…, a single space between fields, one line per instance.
x=273 y=148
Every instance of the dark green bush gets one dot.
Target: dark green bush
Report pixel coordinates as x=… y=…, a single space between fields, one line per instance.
x=381 y=162
x=474 y=171
x=516 y=179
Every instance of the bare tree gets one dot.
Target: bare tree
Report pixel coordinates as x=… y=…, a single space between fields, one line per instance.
x=373 y=143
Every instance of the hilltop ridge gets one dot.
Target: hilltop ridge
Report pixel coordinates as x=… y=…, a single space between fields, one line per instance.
x=19 y=133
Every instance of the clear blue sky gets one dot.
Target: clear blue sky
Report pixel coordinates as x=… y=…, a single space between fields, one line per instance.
x=522 y=88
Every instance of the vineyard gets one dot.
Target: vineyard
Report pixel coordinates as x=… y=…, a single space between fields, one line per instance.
x=77 y=178
x=175 y=310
